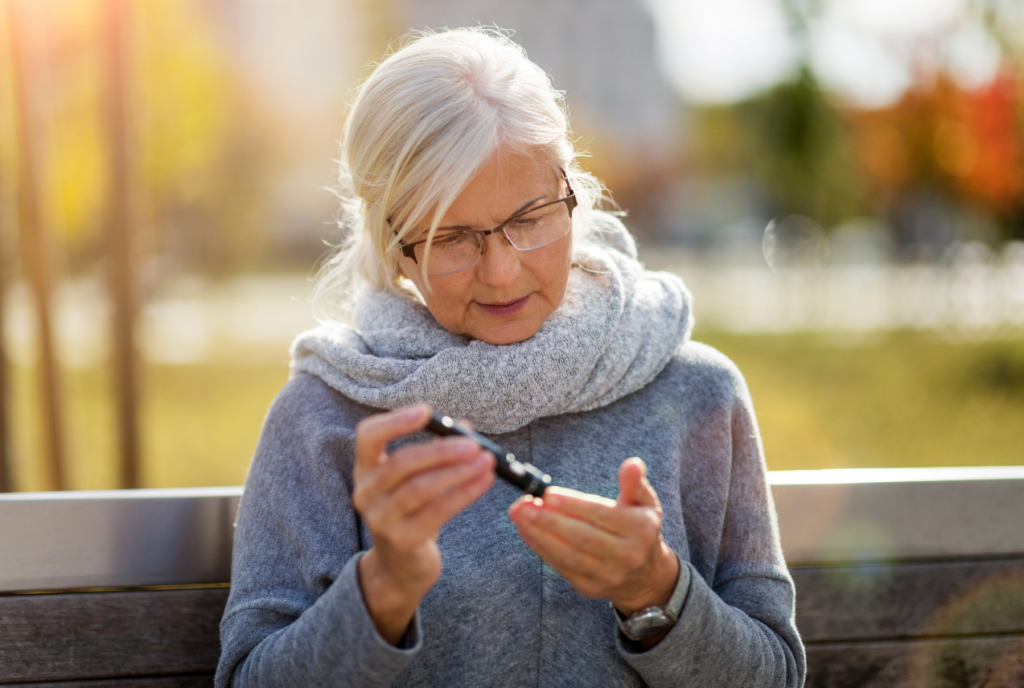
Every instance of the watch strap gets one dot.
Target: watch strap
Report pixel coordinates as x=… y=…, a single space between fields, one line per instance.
x=675 y=603
x=670 y=612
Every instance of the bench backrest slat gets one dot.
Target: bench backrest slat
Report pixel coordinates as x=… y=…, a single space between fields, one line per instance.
x=910 y=601
x=63 y=637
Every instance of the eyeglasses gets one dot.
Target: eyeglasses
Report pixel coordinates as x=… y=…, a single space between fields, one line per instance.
x=532 y=228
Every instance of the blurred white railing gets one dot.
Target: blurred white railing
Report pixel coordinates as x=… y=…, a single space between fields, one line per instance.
x=858 y=298
x=975 y=290
x=193 y=319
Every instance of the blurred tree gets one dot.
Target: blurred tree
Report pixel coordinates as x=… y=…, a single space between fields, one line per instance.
x=941 y=155
x=794 y=141
x=807 y=163
x=7 y=223
x=204 y=147
x=72 y=165
x=962 y=145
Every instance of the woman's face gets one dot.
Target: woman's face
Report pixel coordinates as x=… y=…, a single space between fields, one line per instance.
x=508 y=294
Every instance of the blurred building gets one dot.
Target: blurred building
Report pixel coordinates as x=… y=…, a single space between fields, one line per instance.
x=302 y=65
x=600 y=52
x=603 y=54
x=299 y=66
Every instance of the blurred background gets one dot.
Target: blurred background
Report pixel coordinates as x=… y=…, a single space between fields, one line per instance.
x=839 y=182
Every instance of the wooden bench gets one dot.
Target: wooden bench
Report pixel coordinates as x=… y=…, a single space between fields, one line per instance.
x=904 y=578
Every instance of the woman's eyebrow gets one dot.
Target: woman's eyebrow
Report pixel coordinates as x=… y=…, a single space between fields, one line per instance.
x=523 y=207
x=528 y=204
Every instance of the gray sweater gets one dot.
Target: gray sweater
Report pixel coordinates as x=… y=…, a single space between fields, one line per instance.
x=498 y=615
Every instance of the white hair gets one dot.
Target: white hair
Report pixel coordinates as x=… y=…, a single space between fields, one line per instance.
x=419 y=130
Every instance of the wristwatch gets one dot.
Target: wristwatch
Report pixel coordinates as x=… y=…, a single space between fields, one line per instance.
x=655 y=620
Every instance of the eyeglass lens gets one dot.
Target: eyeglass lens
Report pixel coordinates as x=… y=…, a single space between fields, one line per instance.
x=454 y=251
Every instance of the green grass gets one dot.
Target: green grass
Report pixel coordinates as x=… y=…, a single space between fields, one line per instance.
x=199 y=424
x=890 y=400
x=822 y=402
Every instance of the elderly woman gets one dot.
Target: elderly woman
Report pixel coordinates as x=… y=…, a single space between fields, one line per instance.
x=482 y=282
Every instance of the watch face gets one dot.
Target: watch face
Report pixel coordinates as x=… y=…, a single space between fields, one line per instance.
x=648 y=622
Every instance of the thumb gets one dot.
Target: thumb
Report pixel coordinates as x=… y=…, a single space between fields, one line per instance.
x=634 y=489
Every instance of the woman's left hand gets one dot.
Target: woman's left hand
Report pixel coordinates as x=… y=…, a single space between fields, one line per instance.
x=604 y=548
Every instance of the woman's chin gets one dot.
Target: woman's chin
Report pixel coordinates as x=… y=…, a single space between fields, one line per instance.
x=510 y=328
x=509 y=332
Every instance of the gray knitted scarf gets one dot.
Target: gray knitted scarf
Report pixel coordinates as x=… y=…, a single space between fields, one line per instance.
x=615 y=330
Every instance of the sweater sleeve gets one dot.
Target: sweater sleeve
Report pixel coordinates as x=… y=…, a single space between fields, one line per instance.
x=737 y=627
x=296 y=615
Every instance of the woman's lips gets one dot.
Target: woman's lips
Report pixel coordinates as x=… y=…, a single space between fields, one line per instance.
x=502 y=309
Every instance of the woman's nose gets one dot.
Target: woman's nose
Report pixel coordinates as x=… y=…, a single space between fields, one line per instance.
x=499 y=264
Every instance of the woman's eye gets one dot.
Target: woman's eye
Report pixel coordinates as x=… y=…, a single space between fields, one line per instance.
x=449 y=240
x=526 y=222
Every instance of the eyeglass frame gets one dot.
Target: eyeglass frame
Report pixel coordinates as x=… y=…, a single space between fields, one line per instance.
x=409 y=250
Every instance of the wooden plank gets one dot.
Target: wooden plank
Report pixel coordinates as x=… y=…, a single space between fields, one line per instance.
x=65 y=636
x=109 y=635
x=992 y=662
x=191 y=681
x=910 y=600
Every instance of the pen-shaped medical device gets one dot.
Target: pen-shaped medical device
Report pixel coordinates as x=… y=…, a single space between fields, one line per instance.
x=525 y=476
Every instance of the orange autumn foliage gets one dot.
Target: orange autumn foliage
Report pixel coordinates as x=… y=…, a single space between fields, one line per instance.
x=965 y=142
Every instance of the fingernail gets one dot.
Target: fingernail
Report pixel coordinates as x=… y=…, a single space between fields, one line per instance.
x=530 y=513
x=553 y=500
x=413 y=412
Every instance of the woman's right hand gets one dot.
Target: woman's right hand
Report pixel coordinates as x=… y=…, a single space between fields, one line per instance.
x=404 y=498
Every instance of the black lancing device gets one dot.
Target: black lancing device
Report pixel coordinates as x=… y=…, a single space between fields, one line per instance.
x=525 y=476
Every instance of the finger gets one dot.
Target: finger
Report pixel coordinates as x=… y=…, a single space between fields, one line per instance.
x=599 y=511
x=517 y=505
x=374 y=432
x=430 y=486
x=434 y=514
x=583 y=535
x=406 y=462
x=465 y=422
x=634 y=488
x=579 y=568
